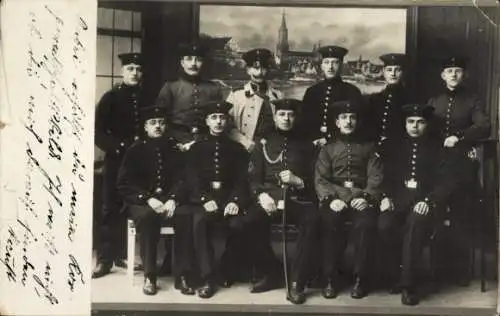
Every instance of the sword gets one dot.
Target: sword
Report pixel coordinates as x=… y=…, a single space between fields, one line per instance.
x=283 y=237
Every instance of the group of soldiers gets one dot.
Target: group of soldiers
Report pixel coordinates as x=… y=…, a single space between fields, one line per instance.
x=368 y=174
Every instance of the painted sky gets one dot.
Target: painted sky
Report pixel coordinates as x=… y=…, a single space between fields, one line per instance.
x=367 y=32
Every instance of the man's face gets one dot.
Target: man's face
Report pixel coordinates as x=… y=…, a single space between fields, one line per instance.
x=393 y=74
x=453 y=76
x=216 y=123
x=284 y=119
x=257 y=72
x=346 y=123
x=132 y=74
x=192 y=65
x=155 y=127
x=331 y=67
x=415 y=126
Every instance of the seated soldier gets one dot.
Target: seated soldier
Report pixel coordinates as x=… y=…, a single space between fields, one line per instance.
x=412 y=191
x=150 y=183
x=347 y=180
x=282 y=159
x=217 y=178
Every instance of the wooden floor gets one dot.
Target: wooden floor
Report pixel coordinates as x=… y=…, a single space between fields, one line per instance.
x=113 y=292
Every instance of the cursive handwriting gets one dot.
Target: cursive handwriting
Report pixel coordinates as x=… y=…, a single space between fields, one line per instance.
x=77 y=164
x=46 y=291
x=31 y=120
x=72 y=213
x=54 y=185
x=8 y=259
x=74 y=270
x=26 y=266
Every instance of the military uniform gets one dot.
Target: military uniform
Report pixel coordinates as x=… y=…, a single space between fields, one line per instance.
x=415 y=165
x=252 y=112
x=348 y=168
x=316 y=117
x=184 y=100
x=277 y=152
x=152 y=168
x=384 y=118
x=117 y=126
x=462 y=114
x=216 y=170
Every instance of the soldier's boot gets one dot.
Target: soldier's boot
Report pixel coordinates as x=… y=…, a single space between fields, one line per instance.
x=267 y=283
x=330 y=290
x=183 y=286
x=359 y=289
x=207 y=290
x=296 y=294
x=101 y=270
x=409 y=297
x=149 y=287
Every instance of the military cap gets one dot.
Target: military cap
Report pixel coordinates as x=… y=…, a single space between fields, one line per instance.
x=393 y=59
x=332 y=51
x=153 y=112
x=261 y=55
x=217 y=107
x=455 y=61
x=345 y=106
x=193 y=49
x=130 y=58
x=287 y=104
x=417 y=109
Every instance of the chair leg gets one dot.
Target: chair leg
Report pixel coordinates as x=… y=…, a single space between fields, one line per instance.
x=131 y=234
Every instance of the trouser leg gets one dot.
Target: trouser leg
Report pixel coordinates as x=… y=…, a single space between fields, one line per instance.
x=416 y=233
x=308 y=219
x=333 y=240
x=148 y=225
x=363 y=236
x=202 y=232
x=113 y=221
x=184 y=249
x=389 y=236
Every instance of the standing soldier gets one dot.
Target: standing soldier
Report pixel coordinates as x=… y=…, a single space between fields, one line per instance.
x=385 y=116
x=317 y=125
x=460 y=121
x=283 y=159
x=185 y=97
x=252 y=112
x=117 y=126
x=409 y=201
x=217 y=178
x=150 y=182
x=347 y=180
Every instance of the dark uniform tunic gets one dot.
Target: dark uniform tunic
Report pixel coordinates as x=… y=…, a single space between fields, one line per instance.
x=278 y=152
x=384 y=119
x=346 y=169
x=184 y=99
x=415 y=167
x=317 y=122
x=153 y=169
x=216 y=170
x=117 y=126
x=460 y=113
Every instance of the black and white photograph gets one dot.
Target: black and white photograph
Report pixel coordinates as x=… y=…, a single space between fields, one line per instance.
x=293 y=157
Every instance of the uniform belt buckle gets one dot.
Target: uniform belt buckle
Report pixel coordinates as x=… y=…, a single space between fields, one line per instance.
x=411 y=184
x=216 y=185
x=194 y=130
x=158 y=190
x=348 y=184
x=323 y=129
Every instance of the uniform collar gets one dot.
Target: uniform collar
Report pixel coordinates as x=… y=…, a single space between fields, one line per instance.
x=250 y=91
x=192 y=79
x=458 y=90
x=333 y=81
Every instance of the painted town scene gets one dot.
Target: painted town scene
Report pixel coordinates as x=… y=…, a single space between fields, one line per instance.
x=294 y=35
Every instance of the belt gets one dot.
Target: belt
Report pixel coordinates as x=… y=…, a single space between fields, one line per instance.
x=345 y=183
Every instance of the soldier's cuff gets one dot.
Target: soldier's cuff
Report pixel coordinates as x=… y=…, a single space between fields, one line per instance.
x=327 y=200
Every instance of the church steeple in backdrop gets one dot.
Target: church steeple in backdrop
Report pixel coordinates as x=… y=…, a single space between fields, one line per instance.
x=282 y=47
